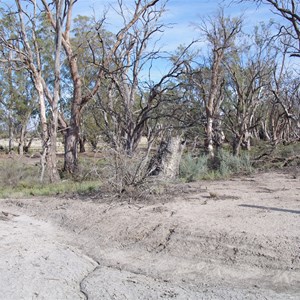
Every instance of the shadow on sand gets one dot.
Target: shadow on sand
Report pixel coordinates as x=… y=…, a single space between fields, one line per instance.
x=271 y=208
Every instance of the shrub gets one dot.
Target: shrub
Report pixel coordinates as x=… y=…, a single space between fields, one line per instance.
x=193 y=168
x=222 y=166
x=15 y=173
x=90 y=169
x=230 y=164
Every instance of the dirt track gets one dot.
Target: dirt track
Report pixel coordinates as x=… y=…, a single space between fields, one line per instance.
x=236 y=239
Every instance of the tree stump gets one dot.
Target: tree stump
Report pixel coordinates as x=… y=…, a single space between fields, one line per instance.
x=167 y=159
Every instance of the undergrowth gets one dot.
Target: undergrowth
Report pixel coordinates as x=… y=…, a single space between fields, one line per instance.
x=61 y=188
x=19 y=179
x=221 y=167
x=268 y=156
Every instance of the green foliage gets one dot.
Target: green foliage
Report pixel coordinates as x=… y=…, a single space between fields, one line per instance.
x=230 y=164
x=223 y=166
x=192 y=169
x=62 y=188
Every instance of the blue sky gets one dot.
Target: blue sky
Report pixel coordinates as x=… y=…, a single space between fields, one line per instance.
x=181 y=14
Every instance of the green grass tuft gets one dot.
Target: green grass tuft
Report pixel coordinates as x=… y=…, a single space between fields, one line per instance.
x=61 y=188
x=18 y=179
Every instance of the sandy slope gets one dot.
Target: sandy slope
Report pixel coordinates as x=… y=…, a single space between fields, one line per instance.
x=36 y=264
x=236 y=239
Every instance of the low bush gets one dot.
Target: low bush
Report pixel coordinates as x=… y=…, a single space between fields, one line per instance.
x=230 y=164
x=16 y=173
x=222 y=166
x=193 y=168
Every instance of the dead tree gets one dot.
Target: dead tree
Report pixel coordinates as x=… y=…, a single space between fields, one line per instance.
x=220 y=34
x=289 y=10
x=249 y=73
x=165 y=163
x=129 y=104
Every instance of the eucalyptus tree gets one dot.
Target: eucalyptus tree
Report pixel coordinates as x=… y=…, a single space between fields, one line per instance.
x=91 y=46
x=23 y=42
x=7 y=97
x=27 y=49
x=219 y=33
x=280 y=117
x=249 y=71
x=18 y=103
x=7 y=92
x=130 y=103
x=82 y=94
x=284 y=124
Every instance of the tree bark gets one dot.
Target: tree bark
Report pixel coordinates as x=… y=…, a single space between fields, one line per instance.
x=209 y=138
x=82 y=141
x=166 y=162
x=71 y=149
x=51 y=158
x=21 y=141
x=43 y=121
x=236 y=145
x=11 y=133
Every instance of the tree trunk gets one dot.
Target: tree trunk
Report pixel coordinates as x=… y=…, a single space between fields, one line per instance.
x=246 y=141
x=27 y=147
x=51 y=157
x=82 y=141
x=11 y=133
x=22 y=141
x=218 y=136
x=10 y=118
x=71 y=150
x=72 y=134
x=172 y=159
x=209 y=145
x=167 y=160
x=263 y=132
x=49 y=136
x=236 y=145
x=44 y=126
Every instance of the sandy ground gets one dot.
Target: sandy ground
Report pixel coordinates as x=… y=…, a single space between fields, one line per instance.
x=235 y=239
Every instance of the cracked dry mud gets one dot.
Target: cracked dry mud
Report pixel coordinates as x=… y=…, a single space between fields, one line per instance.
x=235 y=239
x=35 y=262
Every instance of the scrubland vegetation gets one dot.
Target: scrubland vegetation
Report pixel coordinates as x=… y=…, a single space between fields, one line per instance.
x=230 y=107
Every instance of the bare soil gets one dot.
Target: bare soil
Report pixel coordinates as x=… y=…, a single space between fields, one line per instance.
x=234 y=239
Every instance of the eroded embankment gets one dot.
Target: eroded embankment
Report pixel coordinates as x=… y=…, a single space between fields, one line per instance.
x=235 y=239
